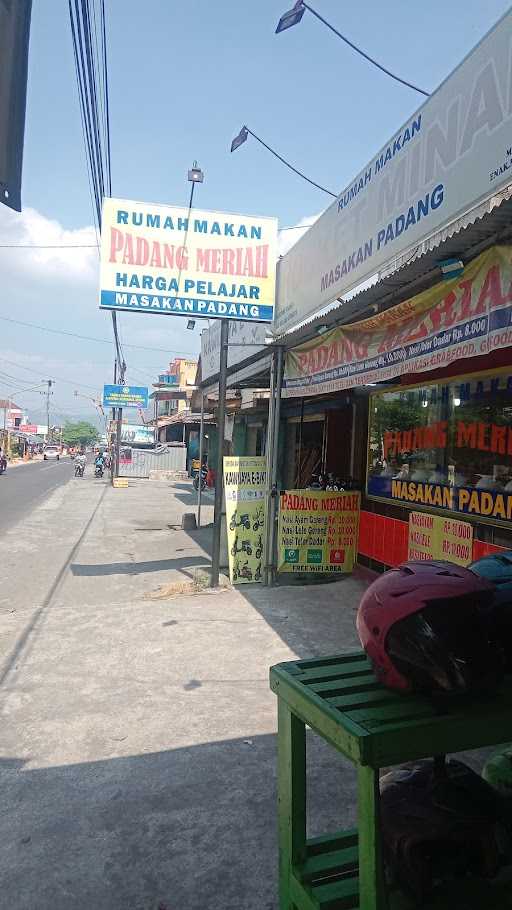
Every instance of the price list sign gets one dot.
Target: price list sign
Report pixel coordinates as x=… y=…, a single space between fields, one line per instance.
x=318 y=531
x=434 y=537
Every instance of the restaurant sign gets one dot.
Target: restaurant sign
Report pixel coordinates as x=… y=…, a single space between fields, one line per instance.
x=448 y=159
x=468 y=316
x=176 y=262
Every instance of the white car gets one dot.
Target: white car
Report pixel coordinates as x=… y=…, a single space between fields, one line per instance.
x=51 y=452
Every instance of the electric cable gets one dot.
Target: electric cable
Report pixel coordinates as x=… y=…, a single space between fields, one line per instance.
x=44 y=328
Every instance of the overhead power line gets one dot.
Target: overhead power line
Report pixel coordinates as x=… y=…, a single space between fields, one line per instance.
x=139 y=347
x=49 y=246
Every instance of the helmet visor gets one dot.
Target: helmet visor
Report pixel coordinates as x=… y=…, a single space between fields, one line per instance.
x=446 y=647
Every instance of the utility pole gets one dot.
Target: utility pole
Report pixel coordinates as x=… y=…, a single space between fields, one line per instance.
x=49 y=384
x=5 y=438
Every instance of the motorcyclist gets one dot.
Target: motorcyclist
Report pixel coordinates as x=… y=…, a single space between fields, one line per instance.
x=99 y=461
x=3 y=460
x=81 y=460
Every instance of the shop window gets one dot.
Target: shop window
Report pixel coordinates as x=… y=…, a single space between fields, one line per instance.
x=445 y=446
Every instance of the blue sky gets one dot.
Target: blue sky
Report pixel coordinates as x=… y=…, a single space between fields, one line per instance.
x=184 y=77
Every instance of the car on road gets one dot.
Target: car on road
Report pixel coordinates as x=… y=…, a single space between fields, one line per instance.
x=51 y=452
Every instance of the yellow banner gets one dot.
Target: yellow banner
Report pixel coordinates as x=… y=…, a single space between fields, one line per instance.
x=434 y=537
x=467 y=316
x=318 y=531
x=245 y=481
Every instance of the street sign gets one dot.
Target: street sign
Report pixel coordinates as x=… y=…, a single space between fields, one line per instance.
x=176 y=262
x=125 y=396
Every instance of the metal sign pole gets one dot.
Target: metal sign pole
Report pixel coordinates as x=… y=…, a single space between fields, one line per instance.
x=201 y=436
x=271 y=514
x=269 y=451
x=221 y=420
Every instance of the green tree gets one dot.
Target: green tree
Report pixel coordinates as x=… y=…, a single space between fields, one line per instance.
x=81 y=433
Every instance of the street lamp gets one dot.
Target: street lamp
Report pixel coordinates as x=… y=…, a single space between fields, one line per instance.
x=195 y=175
x=293 y=17
x=242 y=137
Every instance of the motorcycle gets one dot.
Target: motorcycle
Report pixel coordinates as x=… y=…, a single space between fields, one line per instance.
x=259 y=548
x=3 y=464
x=246 y=572
x=259 y=518
x=241 y=571
x=79 y=469
x=257 y=574
x=200 y=478
x=245 y=522
x=245 y=548
x=98 y=470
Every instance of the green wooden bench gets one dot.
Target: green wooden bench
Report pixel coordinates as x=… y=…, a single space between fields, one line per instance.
x=340 y=698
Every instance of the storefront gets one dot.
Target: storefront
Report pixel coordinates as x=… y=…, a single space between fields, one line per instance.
x=315 y=441
x=430 y=381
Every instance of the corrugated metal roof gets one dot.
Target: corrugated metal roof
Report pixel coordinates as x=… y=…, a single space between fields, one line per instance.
x=464 y=239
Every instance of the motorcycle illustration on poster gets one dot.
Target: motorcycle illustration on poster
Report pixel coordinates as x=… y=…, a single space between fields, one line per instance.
x=245 y=480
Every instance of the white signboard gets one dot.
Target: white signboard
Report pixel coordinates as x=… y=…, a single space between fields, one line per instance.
x=176 y=262
x=244 y=341
x=454 y=153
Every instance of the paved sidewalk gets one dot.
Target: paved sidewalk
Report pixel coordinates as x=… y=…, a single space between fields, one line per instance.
x=138 y=736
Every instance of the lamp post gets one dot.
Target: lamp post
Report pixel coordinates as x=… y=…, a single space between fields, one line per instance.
x=294 y=15
x=242 y=137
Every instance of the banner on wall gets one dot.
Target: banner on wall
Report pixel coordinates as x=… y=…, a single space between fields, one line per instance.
x=137 y=434
x=468 y=316
x=169 y=260
x=435 y=537
x=450 y=157
x=245 y=481
x=317 y=531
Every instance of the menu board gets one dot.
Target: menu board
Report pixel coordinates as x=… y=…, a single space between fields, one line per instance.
x=434 y=537
x=318 y=531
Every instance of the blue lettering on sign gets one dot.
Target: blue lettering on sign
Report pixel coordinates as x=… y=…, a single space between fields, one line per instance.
x=246 y=311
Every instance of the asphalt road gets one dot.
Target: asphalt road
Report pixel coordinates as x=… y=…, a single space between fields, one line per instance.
x=24 y=487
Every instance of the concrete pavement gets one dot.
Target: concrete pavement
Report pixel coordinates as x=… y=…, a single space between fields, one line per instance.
x=138 y=735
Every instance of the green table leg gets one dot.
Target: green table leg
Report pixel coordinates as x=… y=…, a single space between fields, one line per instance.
x=372 y=893
x=291 y=783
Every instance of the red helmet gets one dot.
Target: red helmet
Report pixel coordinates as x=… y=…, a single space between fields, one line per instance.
x=425 y=626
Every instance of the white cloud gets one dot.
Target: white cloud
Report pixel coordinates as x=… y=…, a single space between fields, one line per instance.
x=22 y=230
x=288 y=238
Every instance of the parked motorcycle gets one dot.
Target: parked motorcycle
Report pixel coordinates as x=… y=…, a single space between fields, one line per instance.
x=200 y=478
